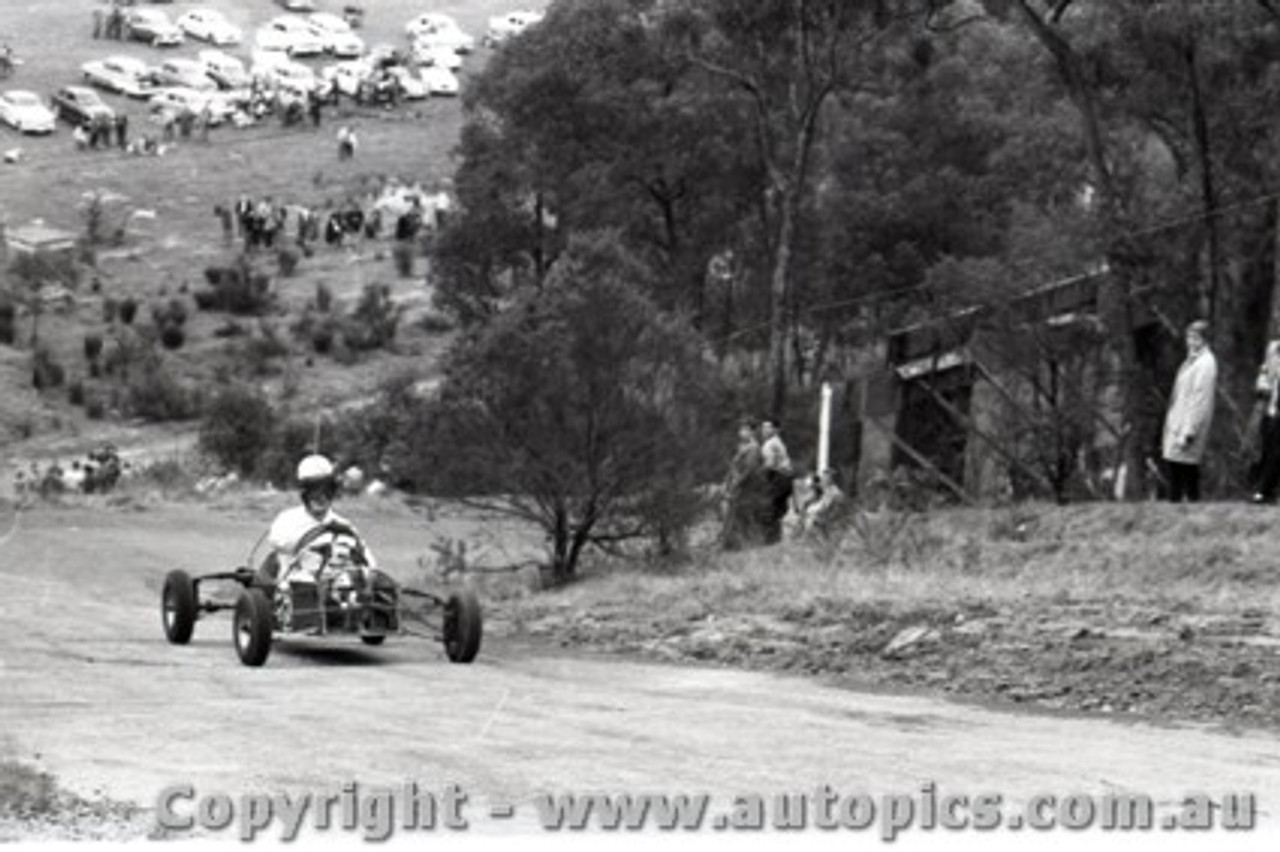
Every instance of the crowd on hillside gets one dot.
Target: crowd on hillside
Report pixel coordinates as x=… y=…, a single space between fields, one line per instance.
x=97 y=472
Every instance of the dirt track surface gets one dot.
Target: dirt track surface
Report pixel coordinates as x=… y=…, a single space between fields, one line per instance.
x=92 y=693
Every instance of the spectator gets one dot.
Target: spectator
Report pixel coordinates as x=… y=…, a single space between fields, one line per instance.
x=777 y=468
x=827 y=500
x=1267 y=389
x=347 y=143
x=122 y=131
x=746 y=493
x=81 y=137
x=1190 y=416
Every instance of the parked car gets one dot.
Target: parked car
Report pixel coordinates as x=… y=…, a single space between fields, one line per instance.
x=179 y=99
x=442 y=57
x=80 y=105
x=412 y=86
x=290 y=35
x=440 y=81
x=503 y=27
x=25 y=112
x=277 y=72
x=347 y=76
x=439 y=30
x=153 y=27
x=187 y=73
x=298 y=5
x=209 y=25
x=123 y=74
x=336 y=35
x=225 y=70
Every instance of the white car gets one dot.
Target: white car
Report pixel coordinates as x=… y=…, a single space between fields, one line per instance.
x=298 y=5
x=291 y=35
x=186 y=73
x=441 y=57
x=503 y=27
x=278 y=72
x=153 y=27
x=179 y=99
x=440 y=81
x=412 y=87
x=123 y=74
x=439 y=30
x=25 y=112
x=225 y=70
x=336 y=35
x=346 y=77
x=209 y=25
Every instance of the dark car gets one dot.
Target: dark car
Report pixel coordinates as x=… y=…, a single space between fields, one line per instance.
x=80 y=105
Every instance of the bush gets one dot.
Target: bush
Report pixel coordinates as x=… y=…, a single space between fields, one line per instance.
x=230 y=328
x=287 y=260
x=92 y=347
x=172 y=337
x=128 y=310
x=156 y=396
x=236 y=289
x=324 y=298
x=372 y=325
x=75 y=393
x=435 y=323
x=110 y=309
x=236 y=430
x=46 y=372
x=8 y=322
x=402 y=256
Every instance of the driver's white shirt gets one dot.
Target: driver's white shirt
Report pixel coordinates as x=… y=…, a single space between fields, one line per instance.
x=293 y=524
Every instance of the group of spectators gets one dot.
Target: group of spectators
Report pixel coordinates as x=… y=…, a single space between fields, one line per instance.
x=108 y=20
x=265 y=223
x=762 y=492
x=102 y=133
x=97 y=473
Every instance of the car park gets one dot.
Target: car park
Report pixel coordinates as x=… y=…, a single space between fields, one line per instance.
x=503 y=27
x=289 y=35
x=152 y=27
x=209 y=25
x=123 y=74
x=25 y=112
x=80 y=106
x=187 y=73
x=436 y=29
x=336 y=35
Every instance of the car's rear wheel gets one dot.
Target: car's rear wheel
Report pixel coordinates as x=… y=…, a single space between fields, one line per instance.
x=178 y=607
x=251 y=627
x=463 y=626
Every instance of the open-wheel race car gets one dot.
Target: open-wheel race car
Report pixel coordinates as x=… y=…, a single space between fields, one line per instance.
x=327 y=589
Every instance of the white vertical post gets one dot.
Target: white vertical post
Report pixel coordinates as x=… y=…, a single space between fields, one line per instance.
x=824 y=429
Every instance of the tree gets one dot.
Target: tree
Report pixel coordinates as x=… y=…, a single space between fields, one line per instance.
x=576 y=407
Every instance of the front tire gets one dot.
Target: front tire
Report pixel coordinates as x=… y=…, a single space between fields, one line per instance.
x=178 y=607
x=251 y=627
x=463 y=626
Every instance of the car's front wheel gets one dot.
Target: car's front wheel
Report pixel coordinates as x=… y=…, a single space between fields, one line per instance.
x=462 y=626
x=178 y=607
x=251 y=626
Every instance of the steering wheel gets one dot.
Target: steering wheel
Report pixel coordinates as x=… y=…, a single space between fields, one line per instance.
x=333 y=528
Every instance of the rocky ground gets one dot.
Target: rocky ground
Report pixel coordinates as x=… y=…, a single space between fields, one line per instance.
x=1142 y=662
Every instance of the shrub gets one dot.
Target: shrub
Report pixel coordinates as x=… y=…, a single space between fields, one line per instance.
x=156 y=396
x=92 y=347
x=110 y=309
x=172 y=337
x=128 y=310
x=236 y=430
x=8 y=321
x=230 y=328
x=236 y=289
x=372 y=325
x=435 y=323
x=287 y=260
x=324 y=298
x=402 y=256
x=46 y=372
x=75 y=393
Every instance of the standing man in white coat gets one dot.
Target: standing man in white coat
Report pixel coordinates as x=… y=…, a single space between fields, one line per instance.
x=1186 y=426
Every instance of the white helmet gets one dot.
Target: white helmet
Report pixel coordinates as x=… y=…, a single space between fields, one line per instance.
x=315 y=469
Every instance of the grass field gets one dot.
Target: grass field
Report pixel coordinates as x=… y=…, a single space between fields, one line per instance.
x=166 y=203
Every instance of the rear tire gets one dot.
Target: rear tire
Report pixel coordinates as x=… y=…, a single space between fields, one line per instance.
x=251 y=627
x=178 y=607
x=463 y=626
